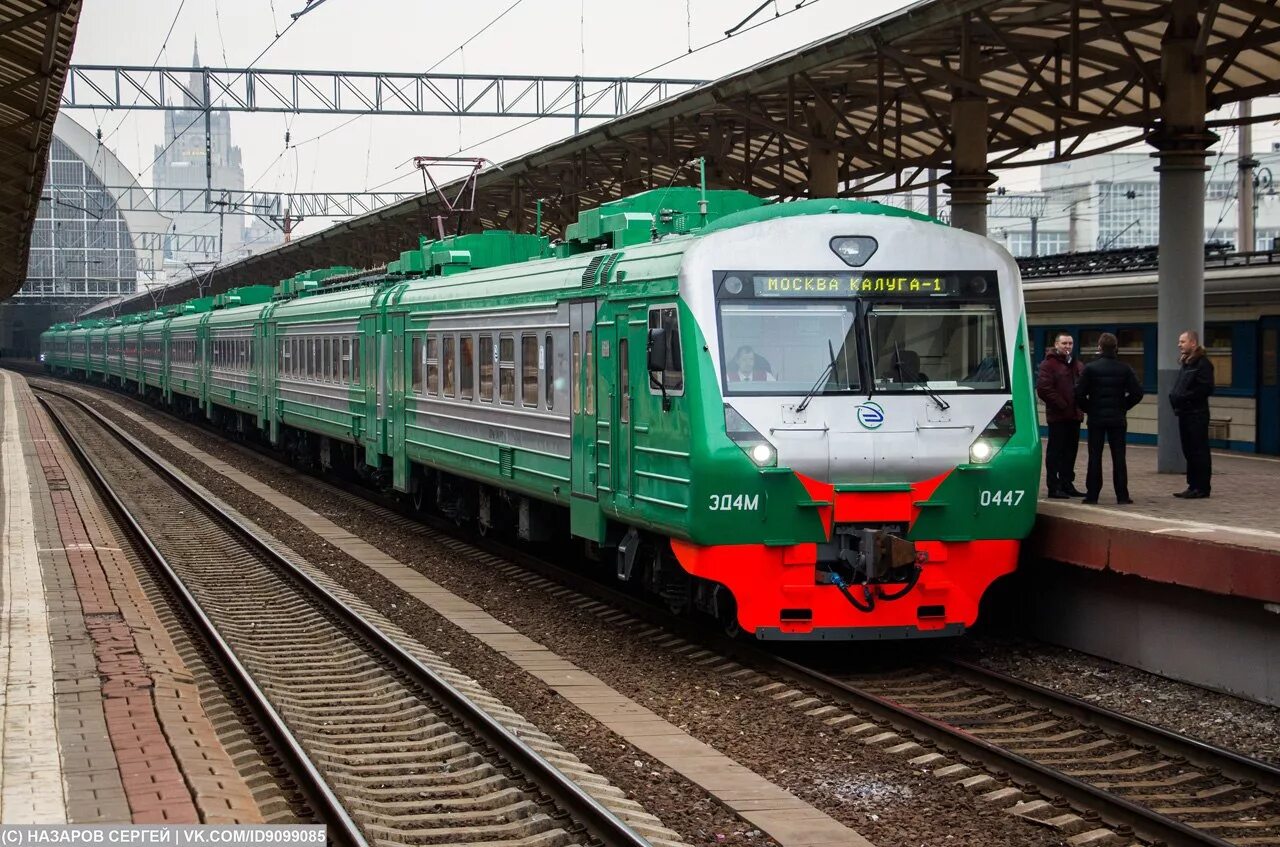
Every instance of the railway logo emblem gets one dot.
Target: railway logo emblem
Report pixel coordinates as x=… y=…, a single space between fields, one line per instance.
x=870 y=415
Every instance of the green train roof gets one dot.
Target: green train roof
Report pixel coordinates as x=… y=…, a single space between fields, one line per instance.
x=629 y=221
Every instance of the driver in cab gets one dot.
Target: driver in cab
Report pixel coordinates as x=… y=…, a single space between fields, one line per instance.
x=748 y=367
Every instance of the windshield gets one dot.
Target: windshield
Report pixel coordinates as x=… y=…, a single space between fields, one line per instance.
x=783 y=348
x=940 y=346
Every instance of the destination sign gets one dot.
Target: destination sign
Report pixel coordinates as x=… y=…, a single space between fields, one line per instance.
x=854 y=285
x=788 y=284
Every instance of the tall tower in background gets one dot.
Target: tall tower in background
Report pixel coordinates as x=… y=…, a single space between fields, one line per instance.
x=180 y=163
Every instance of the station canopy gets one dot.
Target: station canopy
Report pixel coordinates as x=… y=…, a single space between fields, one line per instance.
x=877 y=97
x=35 y=50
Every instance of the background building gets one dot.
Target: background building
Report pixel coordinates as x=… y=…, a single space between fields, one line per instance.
x=87 y=244
x=181 y=163
x=1111 y=201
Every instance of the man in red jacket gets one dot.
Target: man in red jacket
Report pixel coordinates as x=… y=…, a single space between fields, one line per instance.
x=1056 y=385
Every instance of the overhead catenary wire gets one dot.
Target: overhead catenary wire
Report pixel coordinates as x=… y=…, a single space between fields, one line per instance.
x=803 y=4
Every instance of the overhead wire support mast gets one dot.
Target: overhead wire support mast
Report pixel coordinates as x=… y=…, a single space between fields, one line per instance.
x=365 y=92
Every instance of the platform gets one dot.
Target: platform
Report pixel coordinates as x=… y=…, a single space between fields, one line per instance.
x=1184 y=588
x=101 y=721
x=1227 y=544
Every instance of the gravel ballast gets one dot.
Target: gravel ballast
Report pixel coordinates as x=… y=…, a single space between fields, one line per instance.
x=881 y=795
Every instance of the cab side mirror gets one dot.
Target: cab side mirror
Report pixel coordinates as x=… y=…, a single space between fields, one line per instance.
x=657 y=352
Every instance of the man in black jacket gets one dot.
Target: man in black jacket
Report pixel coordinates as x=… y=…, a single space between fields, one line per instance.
x=1190 y=401
x=1107 y=390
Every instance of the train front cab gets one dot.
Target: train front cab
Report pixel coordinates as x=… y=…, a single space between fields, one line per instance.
x=880 y=508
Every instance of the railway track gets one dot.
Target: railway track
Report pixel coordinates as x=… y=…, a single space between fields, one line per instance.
x=1140 y=778
x=385 y=749
x=1057 y=751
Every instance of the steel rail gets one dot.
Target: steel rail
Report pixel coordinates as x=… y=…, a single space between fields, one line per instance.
x=585 y=809
x=339 y=825
x=1114 y=810
x=1199 y=753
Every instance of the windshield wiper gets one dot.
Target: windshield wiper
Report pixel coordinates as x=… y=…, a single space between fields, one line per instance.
x=828 y=370
x=943 y=405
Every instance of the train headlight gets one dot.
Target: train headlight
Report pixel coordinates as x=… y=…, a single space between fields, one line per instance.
x=742 y=433
x=994 y=436
x=763 y=455
x=981 y=451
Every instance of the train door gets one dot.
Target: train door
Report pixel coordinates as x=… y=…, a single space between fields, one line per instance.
x=584 y=510
x=622 y=411
x=370 y=434
x=1269 y=386
x=396 y=405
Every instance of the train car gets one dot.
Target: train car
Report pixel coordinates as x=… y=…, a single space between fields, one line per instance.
x=154 y=354
x=232 y=387
x=1241 y=332
x=814 y=420
x=186 y=356
x=96 y=349
x=114 y=362
x=131 y=351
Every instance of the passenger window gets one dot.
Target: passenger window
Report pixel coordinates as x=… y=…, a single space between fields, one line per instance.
x=666 y=319
x=335 y=363
x=1217 y=345
x=591 y=373
x=529 y=369
x=549 y=373
x=624 y=382
x=576 y=371
x=449 y=367
x=433 y=366
x=507 y=369
x=1132 y=349
x=467 y=364
x=345 y=373
x=355 y=360
x=486 y=368
x=415 y=365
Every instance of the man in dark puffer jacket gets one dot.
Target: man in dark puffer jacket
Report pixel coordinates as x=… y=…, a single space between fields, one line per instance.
x=1190 y=400
x=1107 y=390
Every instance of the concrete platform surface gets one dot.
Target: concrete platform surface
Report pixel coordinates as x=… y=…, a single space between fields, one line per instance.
x=1227 y=544
x=100 y=720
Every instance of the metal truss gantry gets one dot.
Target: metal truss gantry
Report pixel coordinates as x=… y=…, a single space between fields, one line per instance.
x=271 y=205
x=359 y=93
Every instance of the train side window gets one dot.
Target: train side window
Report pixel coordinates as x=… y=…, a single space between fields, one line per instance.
x=575 y=373
x=1217 y=344
x=1132 y=349
x=624 y=382
x=1087 y=345
x=507 y=369
x=548 y=375
x=355 y=360
x=467 y=367
x=251 y=344
x=450 y=367
x=591 y=372
x=486 y=368
x=433 y=365
x=335 y=363
x=345 y=373
x=415 y=364
x=529 y=369
x=667 y=319
x=326 y=371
